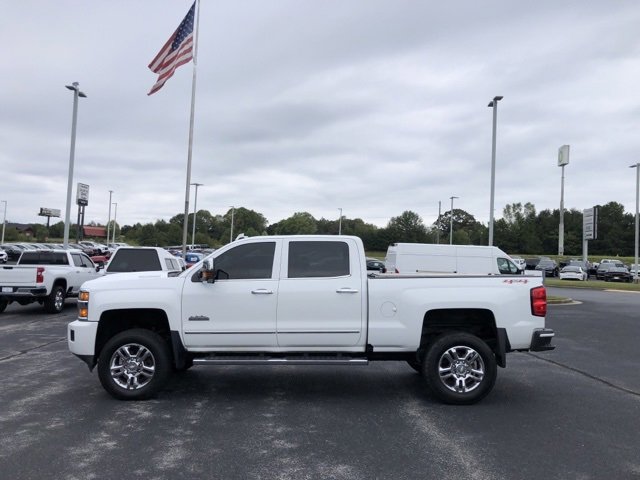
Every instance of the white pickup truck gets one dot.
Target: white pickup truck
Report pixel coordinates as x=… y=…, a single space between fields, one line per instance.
x=45 y=276
x=305 y=300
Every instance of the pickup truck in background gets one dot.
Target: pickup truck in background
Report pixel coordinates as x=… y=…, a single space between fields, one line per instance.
x=305 y=300
x=46 y=277
x=143 y=259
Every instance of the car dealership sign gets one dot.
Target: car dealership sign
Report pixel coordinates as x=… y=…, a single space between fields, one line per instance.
x=590 y=223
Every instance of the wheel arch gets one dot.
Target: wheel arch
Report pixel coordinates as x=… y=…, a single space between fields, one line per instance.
x=476 y=321
x=113 y=322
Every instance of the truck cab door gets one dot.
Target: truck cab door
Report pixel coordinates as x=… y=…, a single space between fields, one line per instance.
x=84 y=271
x=321 y=300
x=238 y=310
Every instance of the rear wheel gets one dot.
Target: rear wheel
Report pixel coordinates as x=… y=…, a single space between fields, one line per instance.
x=54 y=303
x=134 y=364
x=459 y=368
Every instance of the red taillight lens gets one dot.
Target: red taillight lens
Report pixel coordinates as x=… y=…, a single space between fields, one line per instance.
x=39 y=275
x=539 y=301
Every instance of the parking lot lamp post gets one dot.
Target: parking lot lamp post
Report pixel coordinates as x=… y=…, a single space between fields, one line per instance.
x=4 y=220
x=637 y=167
x=67 y=218
x=451 y=222
x=109 y=218
x=195 y=206
x=340 y=223
x=115 y=222
x=493 y=104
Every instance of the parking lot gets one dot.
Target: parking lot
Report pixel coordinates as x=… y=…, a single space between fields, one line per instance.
x=570 y=413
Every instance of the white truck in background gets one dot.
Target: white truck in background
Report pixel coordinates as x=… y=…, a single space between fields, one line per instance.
x=305 y=300
x=46 y=277
x=435 y=258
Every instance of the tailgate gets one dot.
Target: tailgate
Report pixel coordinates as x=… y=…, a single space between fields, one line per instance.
x=17 y=275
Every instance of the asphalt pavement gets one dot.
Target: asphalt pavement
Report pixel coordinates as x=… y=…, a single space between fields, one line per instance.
x=572 y=413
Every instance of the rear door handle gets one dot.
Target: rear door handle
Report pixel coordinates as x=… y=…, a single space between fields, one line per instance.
x=346 y=290
x=262 y=291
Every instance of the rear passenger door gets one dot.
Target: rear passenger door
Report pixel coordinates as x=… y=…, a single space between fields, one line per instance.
x=320 y=299
x=84 y=270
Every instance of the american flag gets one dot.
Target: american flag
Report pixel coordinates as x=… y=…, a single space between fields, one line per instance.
x=176 y=52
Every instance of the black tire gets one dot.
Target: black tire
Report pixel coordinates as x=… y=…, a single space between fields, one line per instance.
x=470 y=355
x=3 y=304
x=134 y=364
x=54 y=303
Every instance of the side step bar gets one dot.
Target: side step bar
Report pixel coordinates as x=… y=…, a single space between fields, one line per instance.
x=262 y=360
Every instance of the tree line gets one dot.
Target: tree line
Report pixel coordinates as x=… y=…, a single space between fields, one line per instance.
x=520 y=230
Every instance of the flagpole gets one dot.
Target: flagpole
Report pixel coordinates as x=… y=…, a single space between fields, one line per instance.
x=189 y=155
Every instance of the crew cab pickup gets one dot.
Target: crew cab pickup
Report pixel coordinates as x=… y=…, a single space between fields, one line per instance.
x=305 y=300
x=45 y=276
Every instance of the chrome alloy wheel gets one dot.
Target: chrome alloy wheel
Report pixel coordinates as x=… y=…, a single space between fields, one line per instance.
x=132 y=366
x=461 y=369
x=58 y=300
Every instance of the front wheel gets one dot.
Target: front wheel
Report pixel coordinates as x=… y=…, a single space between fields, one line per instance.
x=459 y=368
x=134 y=364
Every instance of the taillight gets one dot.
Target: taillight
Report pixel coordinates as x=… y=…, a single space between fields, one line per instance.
x=39 y=275
x=539 y=301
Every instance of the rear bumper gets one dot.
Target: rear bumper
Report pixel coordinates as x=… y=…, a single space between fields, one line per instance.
x=541 y=340
x=17 y=292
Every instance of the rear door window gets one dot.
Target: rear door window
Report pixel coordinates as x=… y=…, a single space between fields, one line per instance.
x=318 y=259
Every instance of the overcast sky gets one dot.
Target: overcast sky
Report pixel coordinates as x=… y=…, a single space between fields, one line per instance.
x=372 y=106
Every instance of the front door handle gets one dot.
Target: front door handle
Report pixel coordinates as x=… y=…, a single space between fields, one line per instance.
x=262 y=291
x=346 y=290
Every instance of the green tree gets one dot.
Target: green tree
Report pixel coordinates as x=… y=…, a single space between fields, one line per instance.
x=407 y=227
x=300 y=223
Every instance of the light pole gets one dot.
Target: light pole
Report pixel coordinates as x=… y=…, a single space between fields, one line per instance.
x=493 y=104
x=115 y=222
x=109 y=220
x=563 y=159
x=195 y=205
x=637 y=167
x=232 y=212
x=451 y=222
x=4 y=220
x=340 y=222
x=67 y=218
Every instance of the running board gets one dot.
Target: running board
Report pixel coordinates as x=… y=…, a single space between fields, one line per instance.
x=263 y=360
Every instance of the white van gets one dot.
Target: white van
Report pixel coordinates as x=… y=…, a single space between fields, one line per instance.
x=434 y=258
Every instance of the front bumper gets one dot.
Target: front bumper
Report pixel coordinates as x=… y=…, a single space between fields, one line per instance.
x=81 y=339
x=541 y=340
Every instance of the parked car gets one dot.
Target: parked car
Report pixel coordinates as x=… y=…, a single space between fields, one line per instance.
x=573 y=273
x=549 y=267
x=603 y=268
x=191 y=258
x=531 y=263
x=375 y=265
x=520 y=262
x=617 y=274
x=634 y=271
x=13 y=251
x=584 y=265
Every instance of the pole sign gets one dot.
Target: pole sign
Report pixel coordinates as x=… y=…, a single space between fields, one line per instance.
x=563 y=155
x=590 y=223
x=49 y=212
x=82 y=198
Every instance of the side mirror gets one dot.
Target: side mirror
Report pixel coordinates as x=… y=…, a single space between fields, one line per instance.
x=207 y=273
